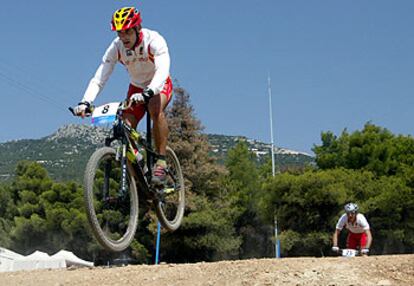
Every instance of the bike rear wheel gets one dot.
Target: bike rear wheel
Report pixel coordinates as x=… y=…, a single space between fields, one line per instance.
x=170 y=204
x=112 y=210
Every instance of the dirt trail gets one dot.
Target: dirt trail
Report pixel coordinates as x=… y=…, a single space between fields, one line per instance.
x=373 y=270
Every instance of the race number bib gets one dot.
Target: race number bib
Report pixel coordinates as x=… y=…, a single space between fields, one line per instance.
x=349 y=252
x=105 y=114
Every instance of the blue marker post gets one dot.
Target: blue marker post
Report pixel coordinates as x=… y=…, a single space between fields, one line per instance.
x=157 y=247
x=277 y=242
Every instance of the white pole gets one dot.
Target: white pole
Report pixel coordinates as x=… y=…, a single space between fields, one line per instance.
x=277 y=246
x=271 y=126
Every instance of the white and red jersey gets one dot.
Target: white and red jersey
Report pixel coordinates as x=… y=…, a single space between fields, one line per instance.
x=148 y=64
x=359 y=226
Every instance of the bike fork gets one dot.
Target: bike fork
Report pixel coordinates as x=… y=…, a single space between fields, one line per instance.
x=124 y=169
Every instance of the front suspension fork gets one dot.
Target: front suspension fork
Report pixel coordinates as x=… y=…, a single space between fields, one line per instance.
x=124 y=169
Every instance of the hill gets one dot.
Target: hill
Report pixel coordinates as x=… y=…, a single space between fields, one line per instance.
x=65 y=152
x=220 y=144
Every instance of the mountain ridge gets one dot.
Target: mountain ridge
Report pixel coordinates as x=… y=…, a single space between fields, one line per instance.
x=65 y=152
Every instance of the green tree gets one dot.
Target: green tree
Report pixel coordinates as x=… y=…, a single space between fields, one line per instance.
x=7 y=210
x=309 y=205
x=207 y=231
x=243 y=186
x=50 y=216
x=390 y=211
x=374 y=149
x=191 y=146
x=207 y=234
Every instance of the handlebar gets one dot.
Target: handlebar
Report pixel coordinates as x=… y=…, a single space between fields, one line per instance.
x=124 y=105
x=88 y=111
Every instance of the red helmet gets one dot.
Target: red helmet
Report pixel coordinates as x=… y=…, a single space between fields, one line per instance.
x=125 y=18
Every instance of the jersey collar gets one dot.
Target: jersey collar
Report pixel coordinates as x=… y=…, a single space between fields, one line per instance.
x=140 y=38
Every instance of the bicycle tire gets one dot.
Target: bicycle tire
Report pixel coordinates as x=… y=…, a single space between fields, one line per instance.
x=171 y=218
x=109 y=243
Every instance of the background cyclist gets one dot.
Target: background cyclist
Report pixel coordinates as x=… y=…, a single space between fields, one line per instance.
x=359 y=233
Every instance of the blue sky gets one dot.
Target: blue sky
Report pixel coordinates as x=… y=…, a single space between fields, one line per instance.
x=333 y=64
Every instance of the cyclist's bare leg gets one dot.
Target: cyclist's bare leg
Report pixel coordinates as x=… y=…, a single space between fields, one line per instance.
x=156 y=108
x=130 y=119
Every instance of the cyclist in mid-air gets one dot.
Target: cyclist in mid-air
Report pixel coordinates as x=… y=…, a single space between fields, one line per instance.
x=359 y=233
x=144 y=53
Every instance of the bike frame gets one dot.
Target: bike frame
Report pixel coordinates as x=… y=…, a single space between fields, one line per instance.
x=122 y=131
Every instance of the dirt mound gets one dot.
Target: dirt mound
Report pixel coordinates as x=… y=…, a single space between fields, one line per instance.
x=373 y=270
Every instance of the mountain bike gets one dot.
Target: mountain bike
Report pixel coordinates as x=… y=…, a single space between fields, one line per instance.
x=119 y=174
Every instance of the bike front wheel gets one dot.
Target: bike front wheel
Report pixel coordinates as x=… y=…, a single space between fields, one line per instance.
x=111 y=201
x=170 y=204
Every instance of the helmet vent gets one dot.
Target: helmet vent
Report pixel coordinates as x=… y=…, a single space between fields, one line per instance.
x=125 y=18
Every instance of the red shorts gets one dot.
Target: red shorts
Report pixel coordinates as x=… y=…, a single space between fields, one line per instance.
x=356 y=240
x=139 y=110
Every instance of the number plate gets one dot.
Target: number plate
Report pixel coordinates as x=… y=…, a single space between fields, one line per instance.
x=349 y=252
x=105 y=114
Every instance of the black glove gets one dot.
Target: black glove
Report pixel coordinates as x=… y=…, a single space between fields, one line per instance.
x=82 y=107
x=147 y=93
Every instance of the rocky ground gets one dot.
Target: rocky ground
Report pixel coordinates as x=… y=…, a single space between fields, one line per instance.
x=373 y=270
